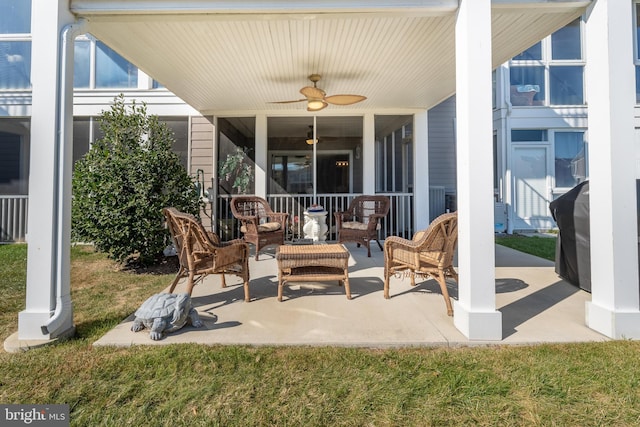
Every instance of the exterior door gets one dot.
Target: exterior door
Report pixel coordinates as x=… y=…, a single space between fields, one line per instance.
x=531 y=189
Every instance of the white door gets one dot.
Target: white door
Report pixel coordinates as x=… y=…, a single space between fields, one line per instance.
x=531 y=189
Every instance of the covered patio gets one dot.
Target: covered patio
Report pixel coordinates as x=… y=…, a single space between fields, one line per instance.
x=536 y=306
x=234 y=58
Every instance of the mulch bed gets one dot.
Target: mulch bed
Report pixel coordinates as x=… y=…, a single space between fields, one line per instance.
x=164 y=265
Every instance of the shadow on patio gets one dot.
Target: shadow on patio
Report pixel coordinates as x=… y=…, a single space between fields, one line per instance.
x=536 y=307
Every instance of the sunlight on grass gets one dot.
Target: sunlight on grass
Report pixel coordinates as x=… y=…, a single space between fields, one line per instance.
x=543 y=247
x=589 y=384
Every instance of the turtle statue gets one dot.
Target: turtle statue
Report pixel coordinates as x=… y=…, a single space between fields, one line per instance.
x=165 y=313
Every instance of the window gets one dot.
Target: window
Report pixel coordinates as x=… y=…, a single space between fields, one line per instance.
x=570 y=159
x=14 y=156
x=15 y=17
x=338 y=152
x=527 y=85
x=533 y=53
x=86 y=130
x=112 y=70
x=566 y=85
x=236 y=133
x=551 y=72
x=97 y=66
x=82 y=64
x=529 y=135
x=565 y=43
x=15 y=44
x=15 y=65
x=394 y=154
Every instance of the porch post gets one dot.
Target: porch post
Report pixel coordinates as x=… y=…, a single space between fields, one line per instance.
x=261 y=155
x=614 y=307
x=475 y=314
x=49 y=219
x=421 y=176
x=369 y=154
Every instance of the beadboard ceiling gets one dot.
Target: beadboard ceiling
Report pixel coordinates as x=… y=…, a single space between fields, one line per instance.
x=226 y=57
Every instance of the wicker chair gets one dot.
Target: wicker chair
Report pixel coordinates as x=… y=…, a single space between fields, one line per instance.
x=430 y=252
x=361 y=222
x=200 y=252
x=259 y=224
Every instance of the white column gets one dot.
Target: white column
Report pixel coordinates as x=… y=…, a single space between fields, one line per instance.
x=369 y=155
x=421 y=171
x=261 y=155
x=610 y=76
x=474 y=312
x=49 y=220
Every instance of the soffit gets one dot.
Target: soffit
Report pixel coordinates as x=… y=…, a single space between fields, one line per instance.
x=229 y=62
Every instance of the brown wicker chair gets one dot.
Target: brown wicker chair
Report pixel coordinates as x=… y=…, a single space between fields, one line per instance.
x=200 y=252
x=361 y=222
x=259 y=224
x=430 y=252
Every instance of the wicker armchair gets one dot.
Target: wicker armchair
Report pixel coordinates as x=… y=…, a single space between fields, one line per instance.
x=430 y=252
x=259 y=224
x=361 y=222
x=200 y=252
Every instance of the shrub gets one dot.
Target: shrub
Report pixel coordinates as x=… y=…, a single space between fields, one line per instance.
x=121 y=185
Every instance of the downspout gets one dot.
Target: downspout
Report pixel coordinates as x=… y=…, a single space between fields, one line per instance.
x=63 y=304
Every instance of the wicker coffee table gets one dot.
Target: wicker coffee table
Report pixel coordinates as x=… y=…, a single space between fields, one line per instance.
x=313 y=263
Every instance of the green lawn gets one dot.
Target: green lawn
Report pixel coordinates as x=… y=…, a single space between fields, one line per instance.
x=543 y=247
x=590 y=384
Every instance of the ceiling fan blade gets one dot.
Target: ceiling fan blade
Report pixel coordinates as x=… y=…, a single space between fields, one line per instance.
x=312 y=92
x=344 y=99
x=324 y=105
x=286 y=102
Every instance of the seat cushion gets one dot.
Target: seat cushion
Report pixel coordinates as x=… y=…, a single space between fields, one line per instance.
x=265 y=227
x=355 y=225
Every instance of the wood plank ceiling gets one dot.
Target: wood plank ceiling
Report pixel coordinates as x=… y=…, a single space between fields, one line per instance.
x=226 y=62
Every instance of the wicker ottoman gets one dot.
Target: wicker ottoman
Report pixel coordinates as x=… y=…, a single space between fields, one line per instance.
x=313 y=263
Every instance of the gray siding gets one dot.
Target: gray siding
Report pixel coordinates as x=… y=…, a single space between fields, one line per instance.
x=442 y=146
x=201 y=154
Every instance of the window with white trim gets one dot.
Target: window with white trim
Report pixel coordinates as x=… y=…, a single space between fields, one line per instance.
x=551 y=72
x=570 y=158
x=97 y=66
x=15 y=44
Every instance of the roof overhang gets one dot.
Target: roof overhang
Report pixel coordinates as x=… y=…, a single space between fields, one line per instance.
x=238 y=56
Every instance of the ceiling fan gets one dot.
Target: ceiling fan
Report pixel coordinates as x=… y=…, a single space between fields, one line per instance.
x=317 y=99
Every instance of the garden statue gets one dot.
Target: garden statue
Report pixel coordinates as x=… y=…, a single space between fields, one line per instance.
x=165 y=313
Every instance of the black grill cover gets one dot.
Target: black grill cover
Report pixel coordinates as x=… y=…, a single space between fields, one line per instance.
x=573 y=255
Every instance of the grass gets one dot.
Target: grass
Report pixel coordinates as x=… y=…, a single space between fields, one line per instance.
x=590 y=384
x=543 y=247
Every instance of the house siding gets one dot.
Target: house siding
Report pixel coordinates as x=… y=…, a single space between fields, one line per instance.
x=442 y=152
x=201 y=155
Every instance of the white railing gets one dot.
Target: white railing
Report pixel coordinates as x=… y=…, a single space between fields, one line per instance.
x=13 y=218
x=399 y=222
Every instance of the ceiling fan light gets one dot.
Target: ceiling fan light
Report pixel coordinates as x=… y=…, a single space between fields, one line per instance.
x=315 y=104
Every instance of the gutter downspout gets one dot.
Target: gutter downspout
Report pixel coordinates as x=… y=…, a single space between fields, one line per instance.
x=63 y=306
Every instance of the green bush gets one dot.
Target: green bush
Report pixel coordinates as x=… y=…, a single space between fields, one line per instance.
x=121 y=185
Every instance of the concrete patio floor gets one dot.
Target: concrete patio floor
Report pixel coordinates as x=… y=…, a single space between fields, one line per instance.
x=537 y=307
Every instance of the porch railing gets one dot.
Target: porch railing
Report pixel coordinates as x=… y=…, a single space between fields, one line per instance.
x=399 y=222
x=13 y=218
